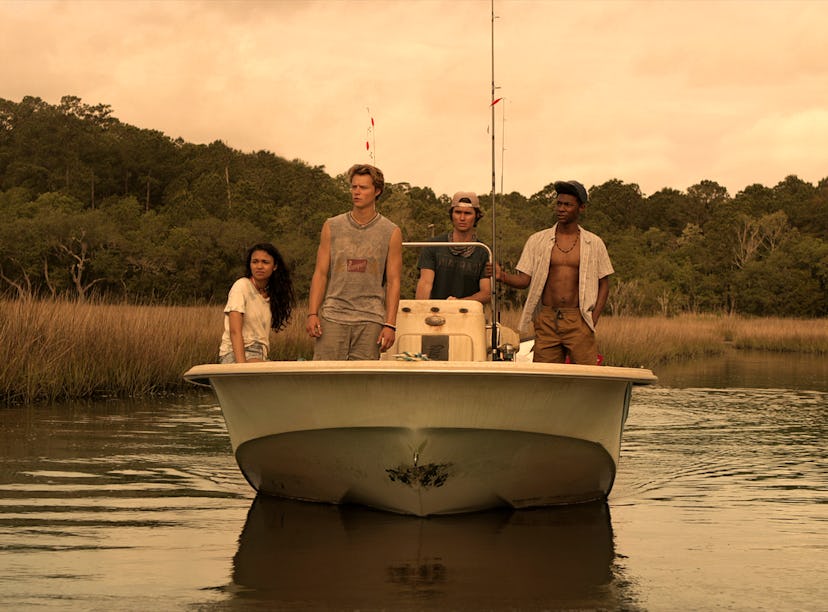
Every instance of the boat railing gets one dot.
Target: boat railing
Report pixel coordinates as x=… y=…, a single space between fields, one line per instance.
x=443 y=243
x=497 y=353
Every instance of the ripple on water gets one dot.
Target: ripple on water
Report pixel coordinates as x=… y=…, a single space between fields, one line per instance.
x=746 y=447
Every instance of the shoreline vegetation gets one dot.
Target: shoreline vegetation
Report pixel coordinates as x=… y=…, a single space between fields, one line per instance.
x=64 y=350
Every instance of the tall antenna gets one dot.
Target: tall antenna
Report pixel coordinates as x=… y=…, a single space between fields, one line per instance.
x=495 y=314
x=492 y=106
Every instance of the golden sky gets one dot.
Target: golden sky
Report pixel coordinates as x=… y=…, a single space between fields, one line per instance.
x=662 y=94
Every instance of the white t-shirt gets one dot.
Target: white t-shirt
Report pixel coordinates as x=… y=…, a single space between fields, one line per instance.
x=257 y=319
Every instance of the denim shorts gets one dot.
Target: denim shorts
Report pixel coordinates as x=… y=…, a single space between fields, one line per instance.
x=250 y=352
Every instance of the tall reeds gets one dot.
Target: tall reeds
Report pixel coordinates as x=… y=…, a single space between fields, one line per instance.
x=63 y=350
x=652 y=341
x=60 y=350
x=784 y=335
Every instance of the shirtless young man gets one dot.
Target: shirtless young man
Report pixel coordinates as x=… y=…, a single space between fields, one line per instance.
x=355 y=289
x=567 y=271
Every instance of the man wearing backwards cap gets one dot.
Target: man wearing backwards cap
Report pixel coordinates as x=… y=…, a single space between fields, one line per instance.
x=567 y=271
x=454 y=272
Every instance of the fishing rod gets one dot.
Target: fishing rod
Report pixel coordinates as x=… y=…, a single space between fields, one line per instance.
x=495 y=312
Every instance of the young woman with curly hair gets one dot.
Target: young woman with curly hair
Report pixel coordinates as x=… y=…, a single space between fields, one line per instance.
x=259 y=302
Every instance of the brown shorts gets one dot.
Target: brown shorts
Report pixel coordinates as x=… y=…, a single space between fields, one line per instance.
x=560 y=332
x=341 y=342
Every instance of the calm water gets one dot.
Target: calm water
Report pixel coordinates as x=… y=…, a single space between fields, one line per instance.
x=720 y=502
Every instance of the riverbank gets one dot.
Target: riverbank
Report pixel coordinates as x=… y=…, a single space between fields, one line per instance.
x=54 y=351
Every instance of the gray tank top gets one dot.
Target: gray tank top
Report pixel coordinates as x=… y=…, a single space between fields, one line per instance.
x=356 y=277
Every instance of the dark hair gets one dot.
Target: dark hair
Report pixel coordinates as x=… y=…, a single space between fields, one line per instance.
x=478 y=214
x=279 y=285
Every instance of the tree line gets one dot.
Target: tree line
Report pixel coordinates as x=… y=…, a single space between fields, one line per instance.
x=91 y=207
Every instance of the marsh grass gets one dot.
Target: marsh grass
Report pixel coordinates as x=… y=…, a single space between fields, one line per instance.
x=653 y=341
x=53 y=351
x=783 y=335
x=62 y=350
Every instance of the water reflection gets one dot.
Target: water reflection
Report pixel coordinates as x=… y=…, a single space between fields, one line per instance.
x=320 y=556
x=100 y=501
x=719 y=502
x=749 y=370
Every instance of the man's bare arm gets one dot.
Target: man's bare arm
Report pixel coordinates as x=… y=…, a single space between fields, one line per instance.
x=319 y=282
x=519 y=280
x=425 y=284
x=393 y=279
x=484 y=295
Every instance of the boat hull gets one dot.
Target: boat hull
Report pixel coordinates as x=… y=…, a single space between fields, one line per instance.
x=456 y=470
x=426 y=438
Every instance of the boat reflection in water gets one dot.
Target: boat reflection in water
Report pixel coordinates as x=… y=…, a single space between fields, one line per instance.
x=304 y=555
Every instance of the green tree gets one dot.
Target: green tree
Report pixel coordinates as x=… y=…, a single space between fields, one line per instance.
x=615 y=205
x=668 y=210
x=82 y=251
x=702 y=201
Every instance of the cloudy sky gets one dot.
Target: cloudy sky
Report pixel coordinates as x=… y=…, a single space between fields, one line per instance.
x=662 y=94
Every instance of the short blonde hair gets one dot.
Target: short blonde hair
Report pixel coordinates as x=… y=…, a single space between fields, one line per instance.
x=377 y=177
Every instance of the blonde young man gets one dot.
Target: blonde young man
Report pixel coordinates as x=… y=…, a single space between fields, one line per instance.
x=456 y=272
x=355 y=290
x=567 y=271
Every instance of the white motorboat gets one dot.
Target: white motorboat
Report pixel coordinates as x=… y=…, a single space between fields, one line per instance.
x=459 y=432
x=435 y=427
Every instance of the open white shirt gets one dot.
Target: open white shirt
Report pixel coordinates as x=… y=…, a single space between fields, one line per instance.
x=534 y=261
